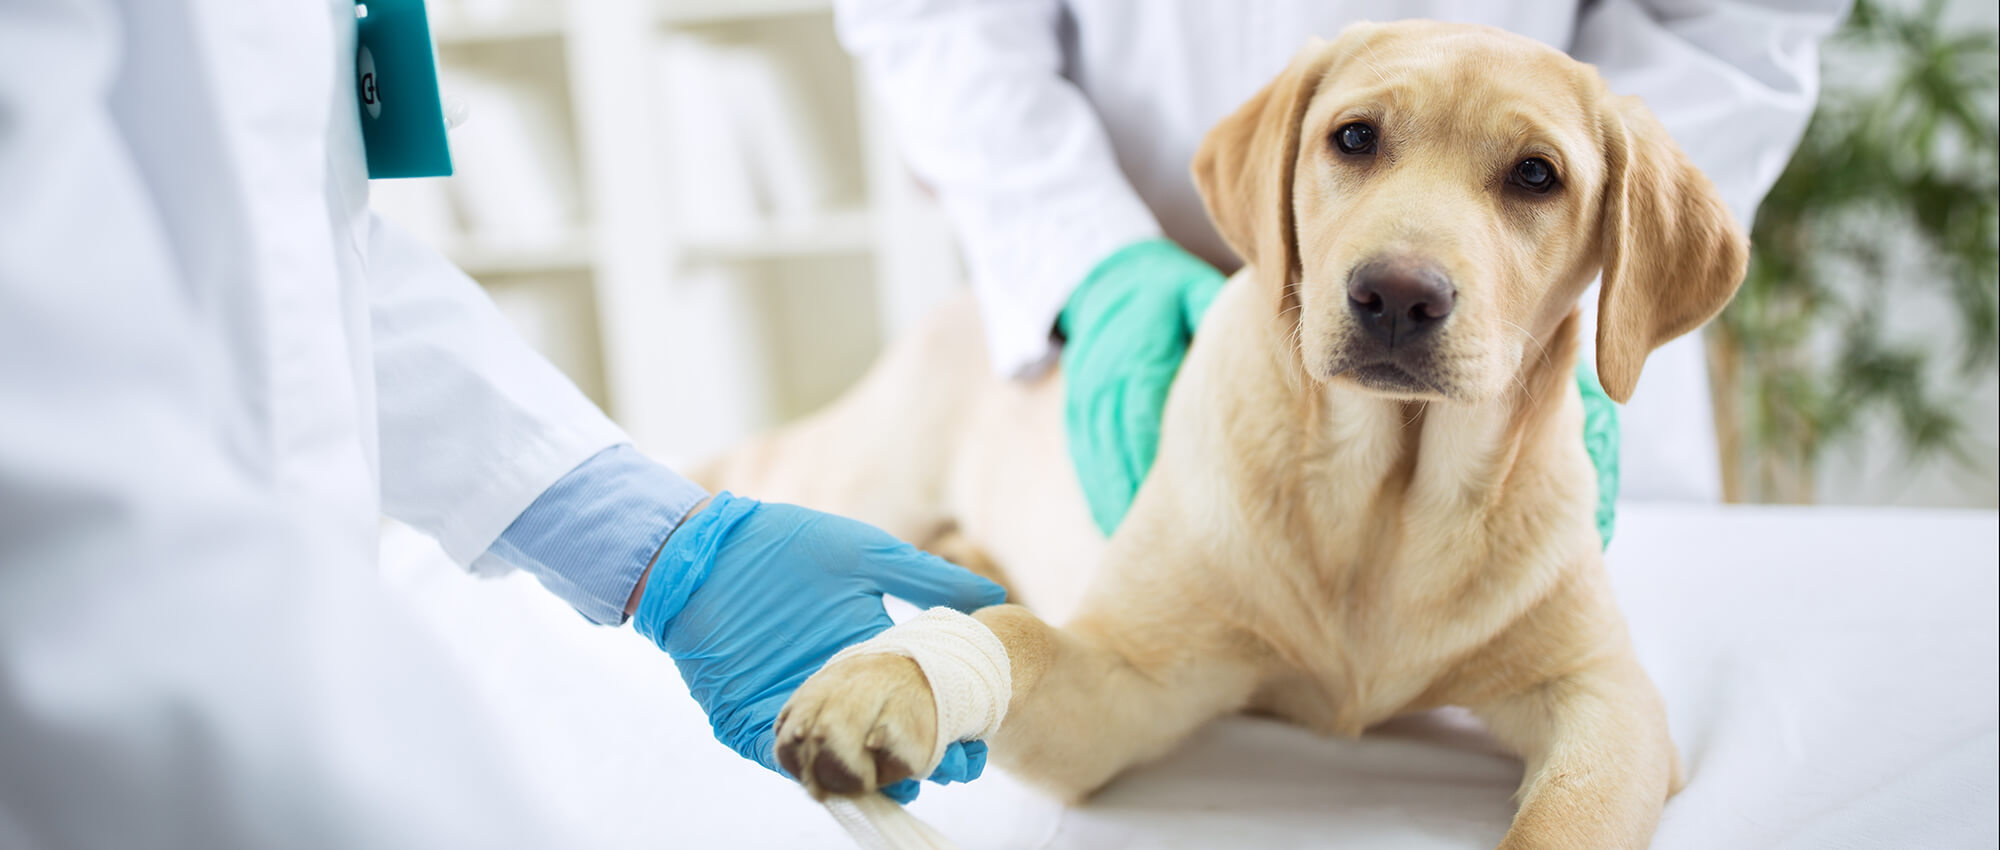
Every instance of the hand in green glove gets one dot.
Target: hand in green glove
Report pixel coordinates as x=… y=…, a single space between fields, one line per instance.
x=1127 y=328
x=1600 y=439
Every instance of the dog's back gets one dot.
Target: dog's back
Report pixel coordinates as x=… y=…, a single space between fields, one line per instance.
x=934 y=448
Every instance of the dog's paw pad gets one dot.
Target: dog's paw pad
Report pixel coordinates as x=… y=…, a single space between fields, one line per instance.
x=857 y=726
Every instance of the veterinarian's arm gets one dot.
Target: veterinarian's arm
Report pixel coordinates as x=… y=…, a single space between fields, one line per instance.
x=475 y=426
x=1053 y=233
x=590 y=537
x=980 y=110
x=752 y=598
x=491 y=450
x=748 y=599
x=1734 y=82
x=488 y=448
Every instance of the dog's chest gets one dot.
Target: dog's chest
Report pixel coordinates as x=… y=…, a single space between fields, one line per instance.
x=1375 y=595
x=1387 y=547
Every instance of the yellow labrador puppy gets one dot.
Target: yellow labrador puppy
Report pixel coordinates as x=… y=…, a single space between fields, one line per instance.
x=1372 y=495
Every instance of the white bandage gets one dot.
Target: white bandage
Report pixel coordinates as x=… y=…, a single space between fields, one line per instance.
x=971 y=682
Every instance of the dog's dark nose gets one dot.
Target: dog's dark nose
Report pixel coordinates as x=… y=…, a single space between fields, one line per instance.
x=1399 y=300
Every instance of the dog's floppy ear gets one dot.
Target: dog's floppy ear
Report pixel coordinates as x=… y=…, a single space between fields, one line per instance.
x=1673 y=253
x=1245 y=163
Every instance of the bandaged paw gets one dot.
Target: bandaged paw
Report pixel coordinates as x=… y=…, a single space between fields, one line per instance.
x=852 y=728
x=970 y=678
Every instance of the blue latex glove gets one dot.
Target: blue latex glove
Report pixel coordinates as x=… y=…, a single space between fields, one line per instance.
x=751 y=598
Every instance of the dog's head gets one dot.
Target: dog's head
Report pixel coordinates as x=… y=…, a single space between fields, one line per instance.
x=1427 y=201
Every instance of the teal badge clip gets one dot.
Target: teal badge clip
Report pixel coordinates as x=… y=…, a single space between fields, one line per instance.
x=402 y=117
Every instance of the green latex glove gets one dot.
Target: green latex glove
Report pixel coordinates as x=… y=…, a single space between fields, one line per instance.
x=1127 y=328
x=1600 y=439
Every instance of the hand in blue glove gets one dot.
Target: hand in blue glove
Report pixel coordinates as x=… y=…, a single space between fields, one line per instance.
x=751 y=598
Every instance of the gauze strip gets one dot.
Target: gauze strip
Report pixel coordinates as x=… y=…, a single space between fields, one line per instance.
x=971 y=682
x=876 y=822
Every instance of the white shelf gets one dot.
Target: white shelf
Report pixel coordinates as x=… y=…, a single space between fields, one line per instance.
x=849 y=231
x=453 y=30
x=699 y=12
x=477 y=257
x=637 y=264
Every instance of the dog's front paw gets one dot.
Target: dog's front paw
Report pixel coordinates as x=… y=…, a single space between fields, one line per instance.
x=860 y=724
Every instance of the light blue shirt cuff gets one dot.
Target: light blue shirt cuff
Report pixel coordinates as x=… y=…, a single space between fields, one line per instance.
x=591 y=535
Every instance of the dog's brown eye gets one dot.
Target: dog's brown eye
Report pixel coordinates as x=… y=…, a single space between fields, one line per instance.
x=1356 y=138
x=1534 y=174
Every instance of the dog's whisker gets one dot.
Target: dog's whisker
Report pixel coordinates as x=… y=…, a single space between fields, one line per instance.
x=1543 y=351
x=1372 y=66
x=1524 y=388
x=1531 y=338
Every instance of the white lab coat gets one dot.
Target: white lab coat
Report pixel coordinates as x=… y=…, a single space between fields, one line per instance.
x=1056 y=131
x=217 y=370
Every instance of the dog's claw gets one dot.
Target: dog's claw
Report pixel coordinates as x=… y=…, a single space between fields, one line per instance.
x=857 y=726
x=834 y=777
x=889 y=769
x=788 y=757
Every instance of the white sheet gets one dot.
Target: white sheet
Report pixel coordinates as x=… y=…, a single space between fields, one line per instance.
x=1830 y=677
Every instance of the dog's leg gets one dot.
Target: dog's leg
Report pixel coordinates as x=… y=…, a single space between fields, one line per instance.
x=1088 y=702
x=1599 y=763
x=1111 y=690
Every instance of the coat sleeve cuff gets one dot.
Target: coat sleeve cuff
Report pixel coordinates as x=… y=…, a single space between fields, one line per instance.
x=591 y=535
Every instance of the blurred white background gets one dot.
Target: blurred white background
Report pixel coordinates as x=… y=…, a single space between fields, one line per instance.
x=686 y=205
x=693 y=209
